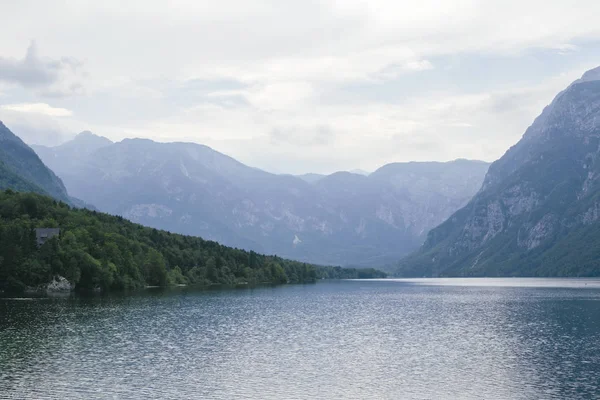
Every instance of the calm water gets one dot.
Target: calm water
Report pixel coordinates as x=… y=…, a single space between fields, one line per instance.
x=418 y=339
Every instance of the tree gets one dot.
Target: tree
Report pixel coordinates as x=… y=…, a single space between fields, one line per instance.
x=155 y=269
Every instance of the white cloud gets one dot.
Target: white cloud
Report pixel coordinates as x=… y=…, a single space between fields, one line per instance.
x=279 y=95
x=294 y=85
x=54 y=78
x=38 y=108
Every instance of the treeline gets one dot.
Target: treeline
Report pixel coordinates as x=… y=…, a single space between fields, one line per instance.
x=96 y=250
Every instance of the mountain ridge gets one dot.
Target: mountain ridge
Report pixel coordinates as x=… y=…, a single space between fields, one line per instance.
x=24 y=170
x=536 y=201
x=341 y=219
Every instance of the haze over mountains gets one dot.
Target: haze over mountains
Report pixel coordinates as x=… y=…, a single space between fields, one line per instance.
x=344 y=218
x=99 y=252
x=538 y=211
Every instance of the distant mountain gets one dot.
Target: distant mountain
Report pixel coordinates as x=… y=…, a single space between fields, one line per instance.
x=359 y=172
x=311 y=177
x=435 y=189
x=22 y=170
x=343 y=219
x=538 y=212
x=73 y=154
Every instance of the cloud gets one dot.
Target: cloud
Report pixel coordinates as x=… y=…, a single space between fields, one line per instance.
x=297 y=86
x=302 y=136
x=564 y=48
x=50 y=77
x=38 y=108
x=280 y=95
x=40 y=123
x=190 y=92
x=36 y=128
x=393 y=71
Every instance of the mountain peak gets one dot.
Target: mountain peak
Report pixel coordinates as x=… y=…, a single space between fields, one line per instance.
x=535 y=212
x=137 y=140
x=359 y=171
x=89 y=136
x=6 y=133
x=591 y=75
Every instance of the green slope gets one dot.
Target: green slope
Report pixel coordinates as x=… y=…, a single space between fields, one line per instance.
x=10 y=180
x=97 y=250
x=22 y=167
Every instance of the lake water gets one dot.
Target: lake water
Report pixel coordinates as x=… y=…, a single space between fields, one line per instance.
x=404 y=339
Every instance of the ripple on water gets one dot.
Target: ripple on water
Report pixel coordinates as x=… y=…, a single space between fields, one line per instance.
x=350 y=339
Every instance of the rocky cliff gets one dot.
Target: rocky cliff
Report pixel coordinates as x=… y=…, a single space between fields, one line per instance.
x=538 y=209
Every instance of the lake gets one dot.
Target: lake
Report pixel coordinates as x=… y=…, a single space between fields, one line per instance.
x=383 y=339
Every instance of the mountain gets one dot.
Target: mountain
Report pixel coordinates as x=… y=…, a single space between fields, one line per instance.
x=22 y=170
x=311 y=177
x=360 y=172
x=11 y=180
x=73 y=153
x=435 y=189
x=99 y=251
x=340 y=219
x=538 y=211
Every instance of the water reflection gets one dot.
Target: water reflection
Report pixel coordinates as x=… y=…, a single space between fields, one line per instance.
x=347 y=339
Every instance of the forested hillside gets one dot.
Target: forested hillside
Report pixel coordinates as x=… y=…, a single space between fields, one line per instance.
x=97 y=250
x=10 y=180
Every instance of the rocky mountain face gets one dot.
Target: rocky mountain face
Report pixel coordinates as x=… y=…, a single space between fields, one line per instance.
x=538 y=211
x=343 y=218
x=22 y=170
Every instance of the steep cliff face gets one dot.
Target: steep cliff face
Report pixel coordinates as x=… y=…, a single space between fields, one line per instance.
x=431 y=191
x=342 y=219
x=534 y=201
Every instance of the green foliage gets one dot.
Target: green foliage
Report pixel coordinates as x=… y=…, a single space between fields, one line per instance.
x=349 y=273
x=97 y=250
x=176 y=277
x=10 y=180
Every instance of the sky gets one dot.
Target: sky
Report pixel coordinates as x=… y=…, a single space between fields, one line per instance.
x=293 y=86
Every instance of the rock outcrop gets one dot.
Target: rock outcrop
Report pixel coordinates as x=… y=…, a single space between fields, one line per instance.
x=59 y=284
x=535 y=204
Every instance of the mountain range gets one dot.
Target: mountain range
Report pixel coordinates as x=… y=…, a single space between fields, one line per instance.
x=95 y=251
x=533 y=212
x=341 y=219
x=538 y=211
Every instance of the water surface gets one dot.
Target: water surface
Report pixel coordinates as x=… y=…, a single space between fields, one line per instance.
x=409 y=339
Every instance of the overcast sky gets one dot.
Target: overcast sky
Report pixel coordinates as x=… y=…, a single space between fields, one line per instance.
x=294 y=86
